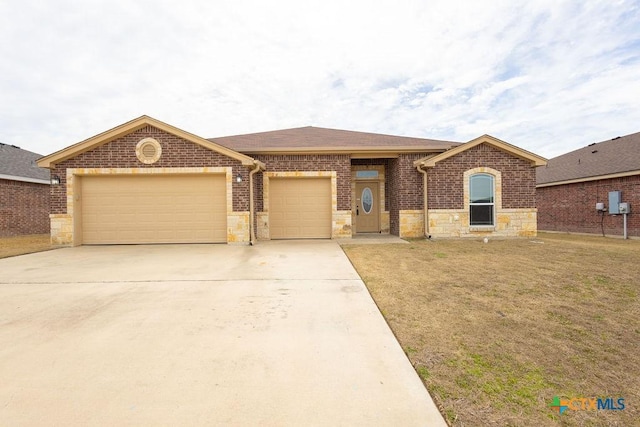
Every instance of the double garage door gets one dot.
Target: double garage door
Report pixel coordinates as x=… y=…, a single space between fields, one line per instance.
x=153 y=209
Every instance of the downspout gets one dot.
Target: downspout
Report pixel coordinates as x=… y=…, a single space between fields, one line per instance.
x=252 y=234
x=426 y=210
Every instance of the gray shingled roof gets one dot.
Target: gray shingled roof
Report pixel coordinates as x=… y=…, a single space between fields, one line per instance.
x=618 y=155
x=19 y=163
x=321 y=138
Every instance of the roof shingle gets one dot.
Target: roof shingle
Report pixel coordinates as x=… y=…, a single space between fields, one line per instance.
x=618 y=155
x=309 y=138
x=19 y=163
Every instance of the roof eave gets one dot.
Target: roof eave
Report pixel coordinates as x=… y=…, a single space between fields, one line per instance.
x=430 y=161
x=343 y=150
x=132 y=126
x=24 y=179
x=589 y=178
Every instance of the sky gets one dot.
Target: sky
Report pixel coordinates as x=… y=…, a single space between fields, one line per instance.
x=549 y=76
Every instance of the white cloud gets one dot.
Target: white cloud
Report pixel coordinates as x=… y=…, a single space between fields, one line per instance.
x=547 y=76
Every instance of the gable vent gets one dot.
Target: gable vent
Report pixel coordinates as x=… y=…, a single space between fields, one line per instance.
x=148 y=151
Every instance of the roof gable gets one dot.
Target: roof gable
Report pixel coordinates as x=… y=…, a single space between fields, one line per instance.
x=20 y=165
x=535 y=160
x=314 y=139
x=619 y=155
x=132 y=126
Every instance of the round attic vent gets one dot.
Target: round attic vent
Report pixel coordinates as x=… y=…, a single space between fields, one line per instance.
x=148 y=151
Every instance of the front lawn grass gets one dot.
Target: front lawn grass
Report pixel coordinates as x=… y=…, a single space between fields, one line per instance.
x=497 y=330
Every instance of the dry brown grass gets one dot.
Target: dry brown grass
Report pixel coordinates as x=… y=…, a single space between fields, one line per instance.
x=497 y=330
x=20 y=245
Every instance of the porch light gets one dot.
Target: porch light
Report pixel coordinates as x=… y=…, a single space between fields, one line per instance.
x=55 y=180
x=239 y=178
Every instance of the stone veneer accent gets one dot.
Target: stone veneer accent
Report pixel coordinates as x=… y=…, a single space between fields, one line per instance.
x=61 y=229
x=262 y=226
x=411 y=223
x=341 y=225
x=509 y=223
x=238 y=227
x=384 y=222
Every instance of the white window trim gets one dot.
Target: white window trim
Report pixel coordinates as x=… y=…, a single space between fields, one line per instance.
x=492 y=204
x=497 y=196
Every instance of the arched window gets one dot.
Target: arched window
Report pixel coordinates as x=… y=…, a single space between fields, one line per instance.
x=481 y=199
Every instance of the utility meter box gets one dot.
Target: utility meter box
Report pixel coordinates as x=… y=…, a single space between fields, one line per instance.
x=615 y=198
x=624 y=208
x=599 y=206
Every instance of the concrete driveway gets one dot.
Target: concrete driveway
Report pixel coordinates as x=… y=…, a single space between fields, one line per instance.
x=281 y=333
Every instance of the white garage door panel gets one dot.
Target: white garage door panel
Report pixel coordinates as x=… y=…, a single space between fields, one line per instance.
x=300 y=208
x=154 y=209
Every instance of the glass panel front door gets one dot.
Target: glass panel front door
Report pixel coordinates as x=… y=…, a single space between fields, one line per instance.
x=367 y=214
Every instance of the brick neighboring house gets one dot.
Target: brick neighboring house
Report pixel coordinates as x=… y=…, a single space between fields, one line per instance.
x=24 y=193
x=148 y=182
x=569 y=187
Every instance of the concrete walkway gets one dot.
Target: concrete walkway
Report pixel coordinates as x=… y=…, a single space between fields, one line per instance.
x=282 y=333
x=371 y=239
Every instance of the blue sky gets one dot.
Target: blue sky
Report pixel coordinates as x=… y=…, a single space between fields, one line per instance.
x=548 y=76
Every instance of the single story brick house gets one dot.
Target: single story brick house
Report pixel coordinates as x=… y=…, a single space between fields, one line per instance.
x=569 y=187
x=146 y=181
x=24 y=193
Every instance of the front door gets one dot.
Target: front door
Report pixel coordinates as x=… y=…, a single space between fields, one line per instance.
x=367 y=207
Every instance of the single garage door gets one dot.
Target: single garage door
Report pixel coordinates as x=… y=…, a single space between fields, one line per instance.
x=300 y=208
x=154 y=209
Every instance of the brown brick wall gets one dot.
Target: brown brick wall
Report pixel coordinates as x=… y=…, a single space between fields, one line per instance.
x=405 y=188
x=341 y=164
x=24 y=208
x=445 y=180
x=393 y=179
x=176 y=152
x=572 y=207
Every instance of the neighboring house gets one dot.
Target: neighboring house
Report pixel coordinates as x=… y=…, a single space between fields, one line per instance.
x=149 y=182
x=569 y=187
x=24 y=193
